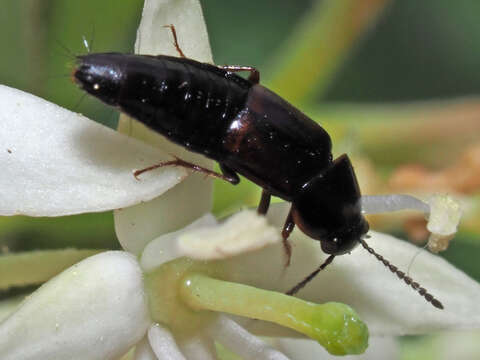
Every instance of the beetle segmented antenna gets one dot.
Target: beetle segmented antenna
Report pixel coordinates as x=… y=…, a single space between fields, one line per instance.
x=408 y=280
x=305 y=281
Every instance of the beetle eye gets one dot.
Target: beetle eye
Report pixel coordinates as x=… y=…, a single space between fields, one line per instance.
x=345 y=239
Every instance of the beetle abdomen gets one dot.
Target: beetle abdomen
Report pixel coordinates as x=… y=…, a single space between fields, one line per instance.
x=187 y=101
x=209 y=110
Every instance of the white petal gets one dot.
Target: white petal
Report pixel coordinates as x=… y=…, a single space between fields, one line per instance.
x=8 y=306
x=204 y=239
x=385 y=303
x=56 y=162
x=138 y=225
x=243 y=232
x=163 y=344
x=187 y=17
x=189 y=200
x=96 y=309
x=379 y=348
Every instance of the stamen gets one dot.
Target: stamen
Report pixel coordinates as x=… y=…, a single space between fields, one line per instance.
x=243 y=232
x=442 y=211
x=375 y=204
x=200 y=346
x=165 y=248
x=163 y=344
x=241 y=342
x=335 y=326
x=204 y=239
x=443 y=220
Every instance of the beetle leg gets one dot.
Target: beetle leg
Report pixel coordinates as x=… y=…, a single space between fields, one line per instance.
x=179 y=162
x=287 y=230
x=175 y=41
x=254 y=76
x=264 y=202
x=229 y=175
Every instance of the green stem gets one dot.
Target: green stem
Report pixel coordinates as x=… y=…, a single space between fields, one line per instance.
x=36 y=267
x=315 y=51
x=335 y=326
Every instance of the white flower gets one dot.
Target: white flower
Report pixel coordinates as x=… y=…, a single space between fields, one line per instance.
x=57 y=163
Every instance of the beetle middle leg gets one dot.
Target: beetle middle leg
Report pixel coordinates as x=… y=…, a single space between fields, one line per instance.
x=254 y=76
x=287 y=227
x=264 y=202
x=227 y=176
x=286 y=231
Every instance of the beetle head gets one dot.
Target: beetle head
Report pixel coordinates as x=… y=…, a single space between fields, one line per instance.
x=328 y=208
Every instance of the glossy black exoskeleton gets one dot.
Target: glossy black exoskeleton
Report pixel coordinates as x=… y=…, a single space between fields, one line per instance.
x=247 y=129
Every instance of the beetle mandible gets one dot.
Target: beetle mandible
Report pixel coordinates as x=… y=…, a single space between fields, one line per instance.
x=248 y=130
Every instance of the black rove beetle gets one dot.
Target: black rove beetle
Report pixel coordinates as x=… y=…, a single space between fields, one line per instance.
x=247 y=129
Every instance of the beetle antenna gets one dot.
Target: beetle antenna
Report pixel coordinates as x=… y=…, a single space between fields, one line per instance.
x=408 y=280
x=77 y=105
x=66 y=51
x=305 y=281
x=85 y=43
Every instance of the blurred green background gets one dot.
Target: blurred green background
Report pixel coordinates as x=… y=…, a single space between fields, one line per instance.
x=415 y=51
